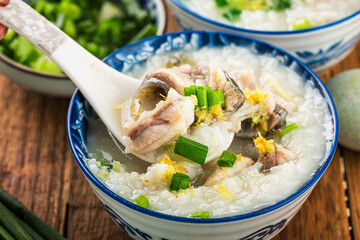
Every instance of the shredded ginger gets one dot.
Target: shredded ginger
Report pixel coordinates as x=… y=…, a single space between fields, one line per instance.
x=264 y=146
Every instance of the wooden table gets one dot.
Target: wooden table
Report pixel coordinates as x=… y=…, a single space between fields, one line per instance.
x=37 y=167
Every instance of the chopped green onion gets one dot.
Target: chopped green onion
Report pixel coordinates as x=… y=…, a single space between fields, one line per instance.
x=204 y=214
x=215 y=98
x=179 y=181
x=194 y=87
x=221 y=3
x=288 y=128
x=232 y=14
x=10 y=223
x=70 y=9
x=104 y=162
x=227 y=159
x=208 y=89
x=202 y=97
x=4 y=234
x=142 y=201
x=302 y=23
x=10 y=35
x=281 y=5
x=188 y=91
x=191 y=150
x=30 y=218
x=108 y=11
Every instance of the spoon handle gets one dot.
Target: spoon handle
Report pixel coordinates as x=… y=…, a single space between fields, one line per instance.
x=101 y=85
x=20 y=17
x=88 y=73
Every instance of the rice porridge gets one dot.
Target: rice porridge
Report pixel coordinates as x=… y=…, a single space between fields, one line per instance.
x=259 y=134
x=274 y=15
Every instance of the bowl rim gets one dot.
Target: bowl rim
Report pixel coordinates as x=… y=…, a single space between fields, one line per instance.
x=184 y=8
x=306 y=187
x=12 y=63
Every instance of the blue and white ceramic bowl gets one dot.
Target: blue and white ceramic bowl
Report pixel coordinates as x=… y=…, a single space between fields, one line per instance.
x=319 y=47
x=59 y=84
x=141 y=223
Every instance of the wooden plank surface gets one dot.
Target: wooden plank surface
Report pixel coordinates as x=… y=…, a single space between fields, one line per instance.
x=352 y=167
x=37 y=167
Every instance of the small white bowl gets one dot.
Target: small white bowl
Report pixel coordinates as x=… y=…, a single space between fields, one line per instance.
x=319 y=47
x=58 y=84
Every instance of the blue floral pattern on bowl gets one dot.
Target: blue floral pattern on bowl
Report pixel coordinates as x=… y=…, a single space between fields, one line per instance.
x=128 y=57
x=323 y=56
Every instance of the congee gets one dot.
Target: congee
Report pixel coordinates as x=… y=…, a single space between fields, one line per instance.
x=274 y=15
x=223 y=131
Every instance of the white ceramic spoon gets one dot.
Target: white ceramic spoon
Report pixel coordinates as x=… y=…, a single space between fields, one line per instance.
x=100 y=84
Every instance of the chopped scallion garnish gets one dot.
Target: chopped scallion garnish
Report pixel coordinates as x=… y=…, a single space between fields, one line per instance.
x=232 y=14
x=202 y=97
x=142 y=201
x=215 y=98
x=104 y=162
x=188 y=91
x=227 y=159
x=288 y=128
x=221 y=3
x=179 y=181
x=280 y=5
x=302 y=23
x=191 y=150
x=204 y=214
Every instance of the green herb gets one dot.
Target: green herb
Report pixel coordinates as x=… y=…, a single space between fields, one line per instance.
x=9 y=36
x=249 y=5
x=227 y=159
x=179 y=181
x=221 y=3
x=191 y=150
x=35 y=235
x=147 y=31
x=188 y=91
x=302 y=23
x=232 y=14
x=204 y=215
x=107 y=164
x=5 y=235
x=142 y=201
x=288 y=128
x=28 y=217
x=26 y=227
x=69 y=9
x=44 y=64
x=99 y=26
x=13 y=226
x=215 y=98
x=281 y=5
x=201 y=97
x=194 y=87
